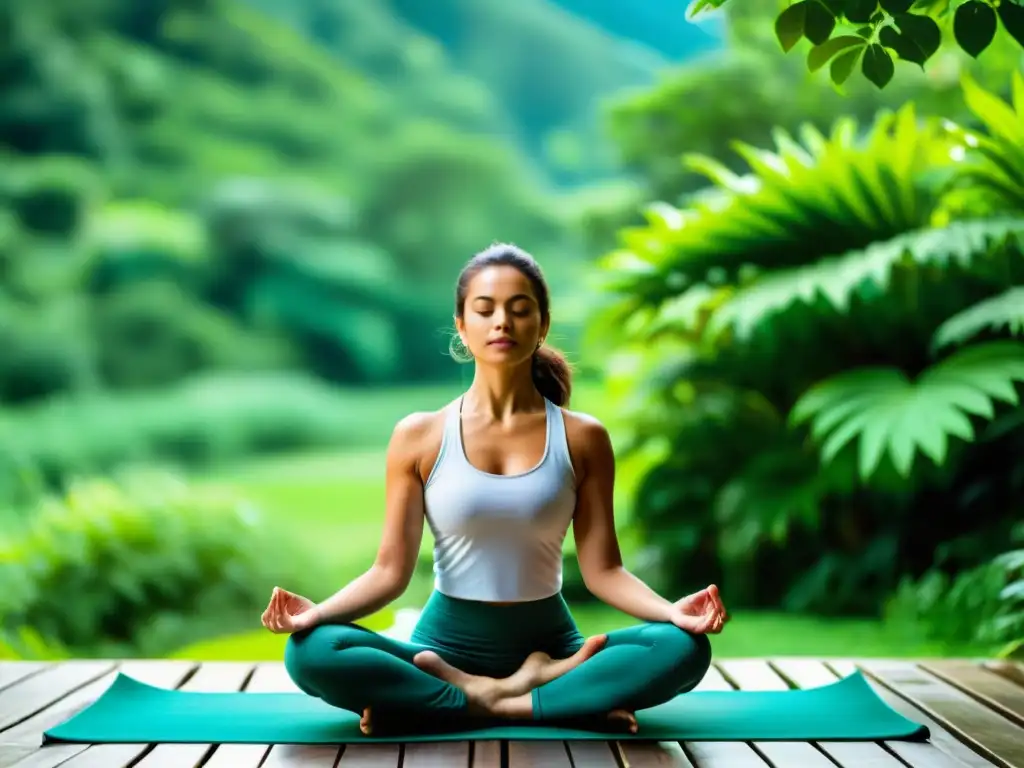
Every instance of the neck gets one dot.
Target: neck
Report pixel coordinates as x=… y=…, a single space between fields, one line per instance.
x=501 y=392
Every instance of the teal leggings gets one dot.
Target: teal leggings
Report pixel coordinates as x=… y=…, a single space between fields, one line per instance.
x=351 y=667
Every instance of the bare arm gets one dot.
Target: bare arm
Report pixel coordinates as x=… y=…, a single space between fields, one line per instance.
x=392 y=569
x=597 y=545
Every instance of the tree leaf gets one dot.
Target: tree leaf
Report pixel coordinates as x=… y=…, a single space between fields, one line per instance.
x=820 y=55
x=974 y=26
x=877 y=65
x=843 y=64
x=904 y=46
x=1012 y=16
x=789 y=26
x=860 y=11
x=892 y=7
x=819 y=22
x=922 y=31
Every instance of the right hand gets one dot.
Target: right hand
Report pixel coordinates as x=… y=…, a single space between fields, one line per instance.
x=288 y=612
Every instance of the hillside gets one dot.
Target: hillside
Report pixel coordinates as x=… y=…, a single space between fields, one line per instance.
x=536 y=71
x=193 y=185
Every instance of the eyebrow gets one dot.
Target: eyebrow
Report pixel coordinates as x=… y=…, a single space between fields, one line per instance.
x=513 y=298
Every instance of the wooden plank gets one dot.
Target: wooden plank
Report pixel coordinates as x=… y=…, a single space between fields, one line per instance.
x=939 y=736
x=486 y=754
x=29 y=733
x=13 y=671
x=169 y=674
x=212 y=677
x=75 y=684
x=1008 y=669
x=538 y=754
x=33 y=694
x=987 y=732
x=663 y=754
x=438 y=754
x=989 y=688
x=370 y=756
x=271 y=677
x=810 y=673
x=592 y=754
x=756 y=675
x=720 y=754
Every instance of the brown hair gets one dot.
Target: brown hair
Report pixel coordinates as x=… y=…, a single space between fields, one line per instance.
x=552 y=374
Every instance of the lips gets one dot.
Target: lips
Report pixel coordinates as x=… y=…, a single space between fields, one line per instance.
x=501 y=343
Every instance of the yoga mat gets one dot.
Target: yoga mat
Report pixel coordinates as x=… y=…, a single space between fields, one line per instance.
x=133 y=712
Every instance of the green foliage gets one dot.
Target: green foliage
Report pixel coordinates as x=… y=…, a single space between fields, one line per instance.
x=1004 y=312
x=885 y=413
x=993 y=178
x=206 y=190
x=872 y=35
x=983 y=605
x=136 y=566
x=816 y=289
x=199 y=423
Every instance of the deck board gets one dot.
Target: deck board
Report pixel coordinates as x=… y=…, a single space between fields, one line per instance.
x=990 y=689
x=13 y=671
x=974 y=709
x=28 y=734
x=721 y=754
x=810 y=673
x=988 y=732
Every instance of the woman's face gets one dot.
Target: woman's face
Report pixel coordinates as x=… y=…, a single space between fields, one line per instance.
x=501 y=322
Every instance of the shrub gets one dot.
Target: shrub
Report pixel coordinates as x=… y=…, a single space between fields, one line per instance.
x=137 y=566
x=204 y=421
x=983 y=605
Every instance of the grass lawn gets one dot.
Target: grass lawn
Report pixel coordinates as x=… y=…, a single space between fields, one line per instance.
x=332 y=506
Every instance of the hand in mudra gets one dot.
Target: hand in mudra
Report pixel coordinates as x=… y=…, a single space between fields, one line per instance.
x=701 y=613
x=289 y=612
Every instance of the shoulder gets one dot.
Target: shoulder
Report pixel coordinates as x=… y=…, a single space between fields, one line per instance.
x=416 y=438
x=590 y=444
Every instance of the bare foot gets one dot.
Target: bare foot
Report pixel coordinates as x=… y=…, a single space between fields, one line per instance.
x=539 y=668
x=623 y=718
x=365 y=723
x=485 y=696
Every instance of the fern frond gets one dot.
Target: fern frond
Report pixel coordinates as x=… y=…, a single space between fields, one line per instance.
x=836 y=280
x=1005 y=311
x=884 y=412
x=809 y=197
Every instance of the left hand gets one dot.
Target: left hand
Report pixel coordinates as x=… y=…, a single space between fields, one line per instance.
x=701 y=613
x=288 y=612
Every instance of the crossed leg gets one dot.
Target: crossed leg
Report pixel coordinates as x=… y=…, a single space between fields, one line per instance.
x=361 y=671
x=636 y=668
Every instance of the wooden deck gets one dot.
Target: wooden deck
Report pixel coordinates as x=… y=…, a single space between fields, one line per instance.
x=975 y=711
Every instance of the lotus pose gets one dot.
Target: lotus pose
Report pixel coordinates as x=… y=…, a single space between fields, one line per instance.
x=499 y=474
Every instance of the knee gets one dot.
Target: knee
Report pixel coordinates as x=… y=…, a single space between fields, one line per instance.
x=686 y=655
x=309 y=654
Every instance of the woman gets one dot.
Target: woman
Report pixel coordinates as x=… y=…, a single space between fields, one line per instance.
x=498 y=475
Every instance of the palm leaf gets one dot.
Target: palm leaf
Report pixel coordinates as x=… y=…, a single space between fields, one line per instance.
x=836 y=281
x=811 y=197
x=1003 y=311
x=886 y=412
x=994 y=165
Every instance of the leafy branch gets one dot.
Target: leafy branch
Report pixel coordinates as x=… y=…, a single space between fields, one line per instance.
x=874 y=34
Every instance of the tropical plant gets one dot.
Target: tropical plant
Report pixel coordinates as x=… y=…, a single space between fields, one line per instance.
x=784 y=344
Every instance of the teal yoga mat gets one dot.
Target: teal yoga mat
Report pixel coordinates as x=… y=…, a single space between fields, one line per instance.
x=132 y=712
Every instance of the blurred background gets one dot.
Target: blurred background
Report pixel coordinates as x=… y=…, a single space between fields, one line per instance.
x=229 y=236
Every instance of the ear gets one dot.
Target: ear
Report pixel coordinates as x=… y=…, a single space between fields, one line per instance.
x=460 y=326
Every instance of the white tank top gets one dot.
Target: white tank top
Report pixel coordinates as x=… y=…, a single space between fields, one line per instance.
x=499 y=538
